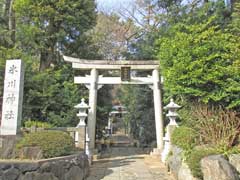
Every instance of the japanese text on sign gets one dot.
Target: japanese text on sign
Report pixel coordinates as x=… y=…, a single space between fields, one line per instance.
x=12 y=98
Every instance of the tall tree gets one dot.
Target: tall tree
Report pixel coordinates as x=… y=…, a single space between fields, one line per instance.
x=111 y=35
x=8 y=24
x=199 y=61
x=151 y=14
x=140 y=116
x=44 y=29
x=52 y=26
x=153 y=19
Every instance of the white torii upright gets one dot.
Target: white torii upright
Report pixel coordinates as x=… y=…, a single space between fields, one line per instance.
x=94 y=82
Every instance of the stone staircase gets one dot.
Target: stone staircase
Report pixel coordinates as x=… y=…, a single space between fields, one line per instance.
x=121 y=140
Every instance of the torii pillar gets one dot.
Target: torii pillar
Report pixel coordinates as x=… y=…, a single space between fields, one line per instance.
x=93 y=107
x=158 y=109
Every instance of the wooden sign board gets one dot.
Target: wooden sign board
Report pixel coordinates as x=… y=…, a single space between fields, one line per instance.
x=125 y=73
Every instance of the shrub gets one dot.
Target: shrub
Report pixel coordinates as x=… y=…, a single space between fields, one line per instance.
x=52 y=143
x=226 y=151
x=193 y=160
x=184 y=137
x=216 y=126
x=30 y=123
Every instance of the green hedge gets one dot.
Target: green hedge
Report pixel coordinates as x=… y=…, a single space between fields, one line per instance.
x=39 y=124
x=184 y=137
x=52 y=143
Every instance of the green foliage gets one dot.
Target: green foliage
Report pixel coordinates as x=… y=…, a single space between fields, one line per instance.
x=104 y=106
x=48 y=26
x=140 y=116
x=234 y=26
x=199 y=61
x=39 y=124
x=51 y=95
x=42 y=30
x=194 y=158
x=184 y=137
x=226 y=151
x=52 y=143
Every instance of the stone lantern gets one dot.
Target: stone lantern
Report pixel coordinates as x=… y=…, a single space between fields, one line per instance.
x=80 y=135
x=82 y=114
x=172 y=115
x=172 y=112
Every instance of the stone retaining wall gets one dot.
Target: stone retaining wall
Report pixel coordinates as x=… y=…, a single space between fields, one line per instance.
x=214 y=167
x=73 y=167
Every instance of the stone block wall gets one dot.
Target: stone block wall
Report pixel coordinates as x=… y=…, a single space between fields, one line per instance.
x=7 y=146
x=214 y=167
x=178 y=168
x=73 y=167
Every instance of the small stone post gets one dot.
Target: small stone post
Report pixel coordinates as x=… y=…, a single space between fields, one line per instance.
x=87 y=149
x=109 y=127
x=80 y=136
x=172 y=115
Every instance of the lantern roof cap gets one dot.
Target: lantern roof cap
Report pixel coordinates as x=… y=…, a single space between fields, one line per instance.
x=172 y=105
x=82 y=105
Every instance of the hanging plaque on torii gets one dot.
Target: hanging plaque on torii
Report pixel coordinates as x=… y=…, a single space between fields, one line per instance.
x=125 y=73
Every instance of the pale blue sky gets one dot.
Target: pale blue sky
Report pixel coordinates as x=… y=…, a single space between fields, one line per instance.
x=111 y=5
x=116 y=4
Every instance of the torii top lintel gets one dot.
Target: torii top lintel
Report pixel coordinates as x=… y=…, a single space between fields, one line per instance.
x=111 y=65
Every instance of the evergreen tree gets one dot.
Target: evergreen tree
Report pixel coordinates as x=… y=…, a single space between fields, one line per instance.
x=199 y=61
x=48 y=27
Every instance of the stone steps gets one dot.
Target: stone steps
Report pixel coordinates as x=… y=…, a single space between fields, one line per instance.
x=122 y=144
x=121 y=140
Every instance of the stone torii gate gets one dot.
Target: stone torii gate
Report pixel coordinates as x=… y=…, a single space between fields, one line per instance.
x=96 y=81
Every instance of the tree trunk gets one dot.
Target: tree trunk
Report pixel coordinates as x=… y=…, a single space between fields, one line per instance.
x=48 y=56
x=12 y=23
x=9 y=14
x=45 y=60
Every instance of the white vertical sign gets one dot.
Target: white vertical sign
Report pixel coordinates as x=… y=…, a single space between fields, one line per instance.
x=12 y=98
